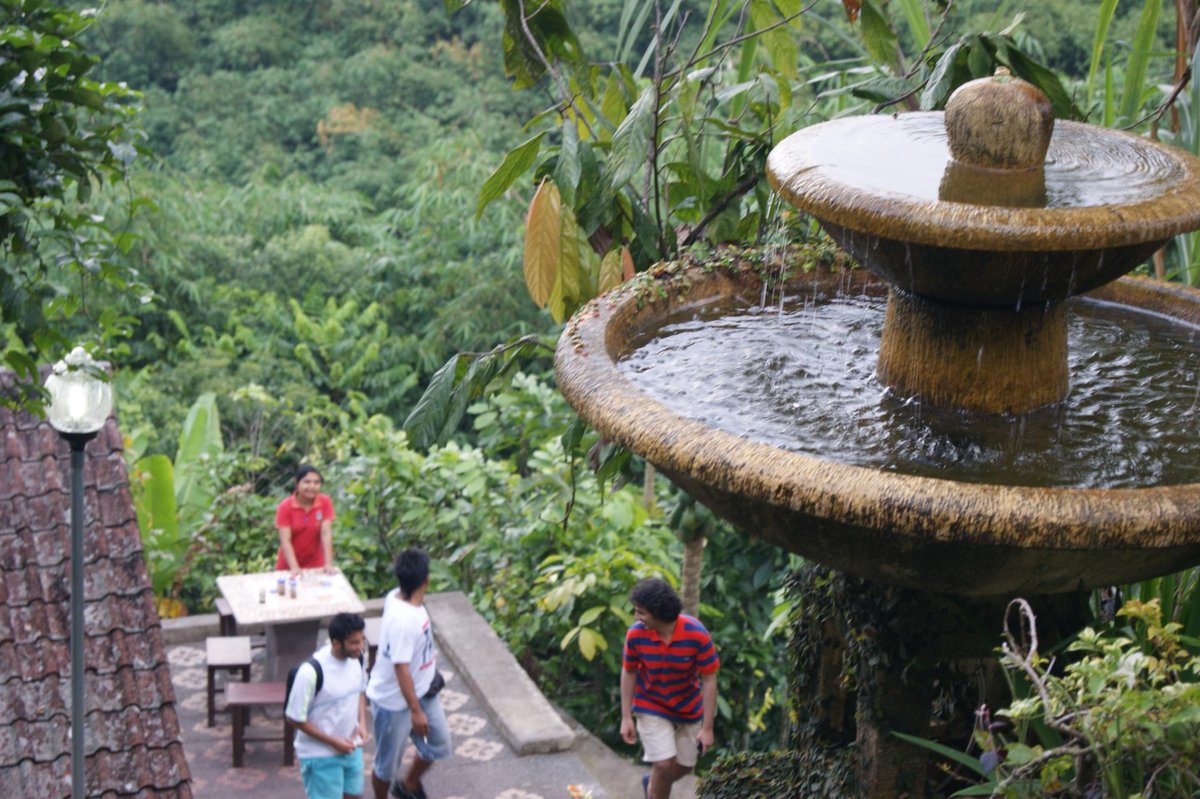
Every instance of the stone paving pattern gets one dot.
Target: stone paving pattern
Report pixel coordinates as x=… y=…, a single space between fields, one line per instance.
x=483 y=765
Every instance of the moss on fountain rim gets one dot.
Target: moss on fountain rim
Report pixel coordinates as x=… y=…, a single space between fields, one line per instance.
x=930 y=534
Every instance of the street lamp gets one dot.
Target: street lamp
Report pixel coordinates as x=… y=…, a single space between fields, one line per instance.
x=80 y=402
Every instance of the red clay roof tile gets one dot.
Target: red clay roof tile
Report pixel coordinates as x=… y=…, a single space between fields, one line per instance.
x=132 y=730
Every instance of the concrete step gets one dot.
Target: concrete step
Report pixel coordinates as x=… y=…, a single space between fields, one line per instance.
x=518 y=709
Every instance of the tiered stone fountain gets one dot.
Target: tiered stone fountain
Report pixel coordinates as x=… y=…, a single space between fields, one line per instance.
x=982 y=222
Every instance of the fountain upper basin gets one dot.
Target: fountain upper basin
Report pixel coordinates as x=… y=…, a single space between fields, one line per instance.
x=925 y=533
x=887 y=190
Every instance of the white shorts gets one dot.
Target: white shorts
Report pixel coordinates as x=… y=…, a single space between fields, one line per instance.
x=663 y=740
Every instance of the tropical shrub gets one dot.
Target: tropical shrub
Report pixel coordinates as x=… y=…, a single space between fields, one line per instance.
x=1120 y=717
x=172 y=498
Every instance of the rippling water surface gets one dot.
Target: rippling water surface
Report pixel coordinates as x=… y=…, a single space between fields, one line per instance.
x=803 y=378
x=906 y=156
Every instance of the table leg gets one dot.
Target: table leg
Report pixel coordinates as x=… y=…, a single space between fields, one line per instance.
x=287 y=645
x=239 y=736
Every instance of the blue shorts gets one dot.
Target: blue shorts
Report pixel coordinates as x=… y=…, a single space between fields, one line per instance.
x=333 y=777
x=392 y=727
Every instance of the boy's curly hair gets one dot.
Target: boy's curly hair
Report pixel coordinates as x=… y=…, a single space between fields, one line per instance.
x=658 y=598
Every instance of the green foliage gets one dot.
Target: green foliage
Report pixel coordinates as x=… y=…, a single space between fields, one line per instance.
x=199 y=442
x=1178 y=596
x=339 y=346
x=1121 y=719
x=60 y=132
x=172 y=500
x=238 y=534
x=144 y=44
x=251 y=42
x=526 y=59
x=152 y=486
x=461 y=381
x=511 y=424
x=780 y=772
x=1186 y=268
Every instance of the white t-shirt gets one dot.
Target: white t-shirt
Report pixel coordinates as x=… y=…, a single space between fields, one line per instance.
x=335 y=709
x=405 y=636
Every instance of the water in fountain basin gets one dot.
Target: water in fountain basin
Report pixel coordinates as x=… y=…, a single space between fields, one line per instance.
x=804 y=380
x=1080 y=171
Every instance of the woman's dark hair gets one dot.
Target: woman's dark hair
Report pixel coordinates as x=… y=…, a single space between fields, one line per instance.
x=411 y=570
x=657 y=598
x=303 y=471
x=343 y=625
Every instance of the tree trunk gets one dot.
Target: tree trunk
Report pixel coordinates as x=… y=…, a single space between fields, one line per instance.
x=693 y=563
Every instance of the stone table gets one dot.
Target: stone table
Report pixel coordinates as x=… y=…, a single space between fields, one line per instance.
x=291 y=623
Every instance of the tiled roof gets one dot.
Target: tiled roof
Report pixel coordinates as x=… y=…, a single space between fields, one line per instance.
x=133 y=746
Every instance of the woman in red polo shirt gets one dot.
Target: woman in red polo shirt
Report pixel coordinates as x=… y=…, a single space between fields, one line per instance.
x=305 y=524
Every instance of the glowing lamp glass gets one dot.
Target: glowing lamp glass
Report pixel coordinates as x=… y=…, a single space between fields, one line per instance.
x=80 y=400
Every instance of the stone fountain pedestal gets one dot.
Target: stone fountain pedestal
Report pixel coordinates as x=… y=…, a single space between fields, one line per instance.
x=870 y=660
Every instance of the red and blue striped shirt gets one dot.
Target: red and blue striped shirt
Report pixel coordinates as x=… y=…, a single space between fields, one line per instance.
x=668 y=675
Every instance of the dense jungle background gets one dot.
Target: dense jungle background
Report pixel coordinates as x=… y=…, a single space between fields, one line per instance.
x=301 y=237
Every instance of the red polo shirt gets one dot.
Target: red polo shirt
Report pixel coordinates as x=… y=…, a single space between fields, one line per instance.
x=668 y=675
x=306 y=530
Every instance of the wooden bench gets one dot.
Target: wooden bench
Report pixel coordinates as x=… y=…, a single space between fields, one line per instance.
x=372 y=636
x=225 y=653
x=243 y=696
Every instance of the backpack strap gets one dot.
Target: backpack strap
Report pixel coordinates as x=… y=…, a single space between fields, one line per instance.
x=312 y=661
x=318 y=673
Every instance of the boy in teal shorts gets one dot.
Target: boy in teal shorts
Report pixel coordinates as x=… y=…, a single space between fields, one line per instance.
x=331 y=724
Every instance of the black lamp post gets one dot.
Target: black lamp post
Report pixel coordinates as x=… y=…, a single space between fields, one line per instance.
x=80 y=402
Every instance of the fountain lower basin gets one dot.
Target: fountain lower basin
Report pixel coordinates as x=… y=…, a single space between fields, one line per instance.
x=932 y=534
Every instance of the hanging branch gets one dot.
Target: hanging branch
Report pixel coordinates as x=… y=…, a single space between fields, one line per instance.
x=933 y=37
x=718 y=206
x=567 y=97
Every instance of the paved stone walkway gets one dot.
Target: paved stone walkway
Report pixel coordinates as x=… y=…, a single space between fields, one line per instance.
x=483 y=765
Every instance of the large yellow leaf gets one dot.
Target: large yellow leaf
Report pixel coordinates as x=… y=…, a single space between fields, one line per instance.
x=564 y=297
x=572 y=242
x=610 y=272
x=589 y=641
x=543 y=227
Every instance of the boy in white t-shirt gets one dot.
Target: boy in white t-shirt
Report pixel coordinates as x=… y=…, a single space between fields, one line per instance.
x=331 y=723
x=402 y=691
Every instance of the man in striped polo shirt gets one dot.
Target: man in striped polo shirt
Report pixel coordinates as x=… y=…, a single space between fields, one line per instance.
x=668 y=685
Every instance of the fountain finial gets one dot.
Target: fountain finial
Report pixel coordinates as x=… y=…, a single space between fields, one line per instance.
x=1001 y=122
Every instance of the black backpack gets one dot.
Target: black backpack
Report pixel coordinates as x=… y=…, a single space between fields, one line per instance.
x=291 y=677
